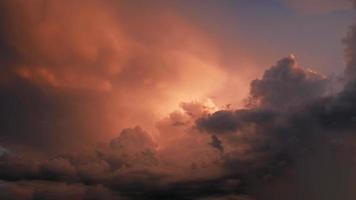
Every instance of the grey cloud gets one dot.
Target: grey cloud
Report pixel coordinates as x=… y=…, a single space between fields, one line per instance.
x=287 y=84
x=216 y=143
x=226 y=121
x=46 y=190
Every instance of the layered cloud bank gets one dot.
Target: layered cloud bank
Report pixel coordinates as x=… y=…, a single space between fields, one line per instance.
x=200 y=152
x=76 y=73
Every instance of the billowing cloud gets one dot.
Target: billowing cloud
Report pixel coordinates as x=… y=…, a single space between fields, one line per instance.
x=75 y=73
x=315 y=130
x=94 y=67
x=236 y=152
x=287 y=84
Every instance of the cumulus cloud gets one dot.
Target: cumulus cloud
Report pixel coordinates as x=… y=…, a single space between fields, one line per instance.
x=259 y=140
x=133 y=147
x=283 y=127
x=198 y=148
x=287 y=84
x=305 y=129
x=197 y=151
x=133 y=141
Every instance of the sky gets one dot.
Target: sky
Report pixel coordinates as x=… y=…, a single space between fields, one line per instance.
x=220 y=100
x=277 y=27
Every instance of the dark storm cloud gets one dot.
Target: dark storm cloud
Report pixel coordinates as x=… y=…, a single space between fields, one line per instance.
x=33 y=116
x=284 y=106
x=125 y=165
x=286 y=84
x=320 y=127
x=339 y=111
x=289 y=117
x=46 y=190
x=231 y=121
x=254 y=146
x=113 y=170
x=277 y=127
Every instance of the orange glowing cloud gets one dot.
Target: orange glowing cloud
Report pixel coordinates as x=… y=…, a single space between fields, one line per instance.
x=136 y=68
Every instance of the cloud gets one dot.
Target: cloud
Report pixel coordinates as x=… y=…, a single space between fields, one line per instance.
x=3 y=152
x=240 y=143
x=229 y=197
x=216 y=143
x=302 y=134
x=74 y=73
x=230 y=121
x=198 y=148
x=58 y=168
x=287 y=84
x=133 y=141
x=30 y=190
x=86 y=69
x=133 y=147
x=350 y=42
x=283 y=126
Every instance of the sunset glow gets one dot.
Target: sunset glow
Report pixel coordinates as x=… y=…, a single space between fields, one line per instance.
x=179 y=99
